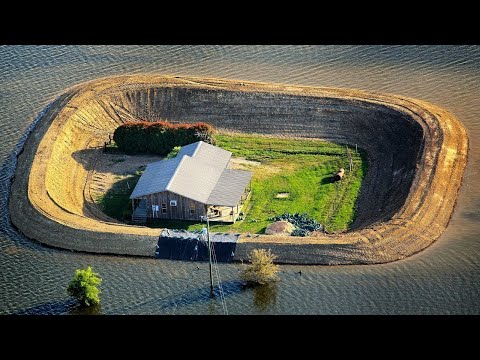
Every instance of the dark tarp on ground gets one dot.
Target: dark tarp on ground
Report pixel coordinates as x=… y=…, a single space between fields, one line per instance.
x=188 y=246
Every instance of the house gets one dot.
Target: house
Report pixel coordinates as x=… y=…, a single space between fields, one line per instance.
x=195 y=183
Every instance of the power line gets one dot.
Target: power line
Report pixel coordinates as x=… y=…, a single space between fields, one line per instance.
x=219 y=282
x=212 y=255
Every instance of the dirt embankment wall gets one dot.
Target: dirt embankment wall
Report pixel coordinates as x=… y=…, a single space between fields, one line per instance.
x=417 y=153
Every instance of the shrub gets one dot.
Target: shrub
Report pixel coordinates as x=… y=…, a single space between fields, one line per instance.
x=160 y=137
x=304 y=224
x=174 y=152
x=261 y=270
x=84 y=287
x=300 y=232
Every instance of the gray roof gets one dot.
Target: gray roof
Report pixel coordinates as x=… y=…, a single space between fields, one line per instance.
x=194 y=179
x=210 y=154
x=157 y=175
x=229 y=187
x=199 y=172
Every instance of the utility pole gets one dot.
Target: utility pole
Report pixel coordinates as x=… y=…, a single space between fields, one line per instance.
x=209 y=254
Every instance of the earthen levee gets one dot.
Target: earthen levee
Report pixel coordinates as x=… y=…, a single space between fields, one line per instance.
x=417 y=153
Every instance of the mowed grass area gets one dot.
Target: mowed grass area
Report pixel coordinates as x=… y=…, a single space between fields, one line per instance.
x=301 y=168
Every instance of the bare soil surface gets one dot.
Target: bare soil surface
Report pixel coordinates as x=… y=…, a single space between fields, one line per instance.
x=108 y=171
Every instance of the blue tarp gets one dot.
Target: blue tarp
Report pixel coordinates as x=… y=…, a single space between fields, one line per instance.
x=189 y=246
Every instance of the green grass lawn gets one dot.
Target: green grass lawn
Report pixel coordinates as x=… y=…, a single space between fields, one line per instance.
x=302 y=168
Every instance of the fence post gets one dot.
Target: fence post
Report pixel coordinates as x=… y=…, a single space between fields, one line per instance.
x=349 y=155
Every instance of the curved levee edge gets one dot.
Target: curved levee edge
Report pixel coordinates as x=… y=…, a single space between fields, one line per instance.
x=417 y=223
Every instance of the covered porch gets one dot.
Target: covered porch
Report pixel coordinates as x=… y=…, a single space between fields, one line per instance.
x=226 y=213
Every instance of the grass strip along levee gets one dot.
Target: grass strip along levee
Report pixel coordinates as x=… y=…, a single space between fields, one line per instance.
x=290 y=175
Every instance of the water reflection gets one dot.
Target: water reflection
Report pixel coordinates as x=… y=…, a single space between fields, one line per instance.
x=172 y=304
x=264 y=296
x=86 y=310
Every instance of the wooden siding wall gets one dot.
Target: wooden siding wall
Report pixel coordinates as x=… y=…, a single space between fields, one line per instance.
x=180 y=212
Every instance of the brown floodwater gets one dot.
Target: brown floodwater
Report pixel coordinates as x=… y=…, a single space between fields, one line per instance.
x=443 y=279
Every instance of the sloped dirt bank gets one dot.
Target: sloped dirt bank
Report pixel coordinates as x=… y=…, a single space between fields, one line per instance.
x=417 y=155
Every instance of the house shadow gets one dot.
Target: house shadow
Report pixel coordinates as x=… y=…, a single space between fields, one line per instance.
x=116 y=200
x=113 y=202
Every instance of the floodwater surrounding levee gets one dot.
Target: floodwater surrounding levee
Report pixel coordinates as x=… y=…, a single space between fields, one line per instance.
x=443 y=279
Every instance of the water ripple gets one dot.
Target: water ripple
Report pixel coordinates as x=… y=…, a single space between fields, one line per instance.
x=444 y=279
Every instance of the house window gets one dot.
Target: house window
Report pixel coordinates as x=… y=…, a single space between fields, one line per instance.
x=192 y=208
x=164 y=208
x=173 y=202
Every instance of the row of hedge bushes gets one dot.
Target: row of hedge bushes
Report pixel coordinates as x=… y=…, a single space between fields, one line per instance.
x=160 y=137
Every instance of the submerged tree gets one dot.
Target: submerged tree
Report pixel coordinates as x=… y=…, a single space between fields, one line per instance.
x=261 y=269
x=84 y=287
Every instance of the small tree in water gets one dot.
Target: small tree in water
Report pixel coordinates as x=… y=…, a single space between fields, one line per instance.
x=261 y=270
x=84 y=287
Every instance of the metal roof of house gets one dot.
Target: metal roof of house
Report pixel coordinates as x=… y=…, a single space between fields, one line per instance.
x=194 y=179
x=157 y=175
x=210 y=154
x=229 y=187
x=197 y=172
